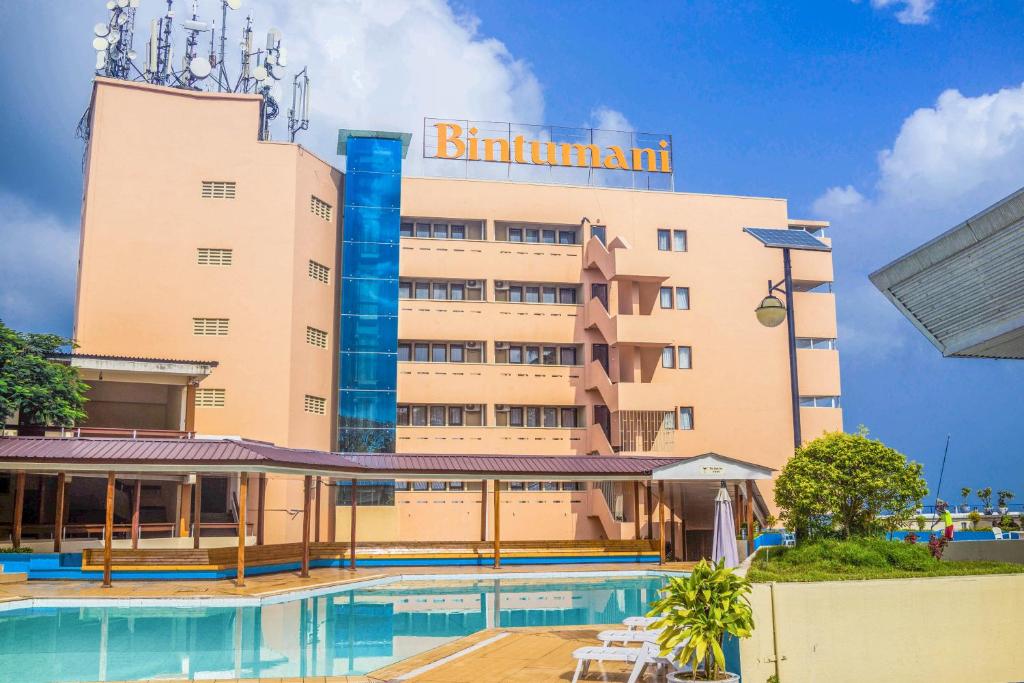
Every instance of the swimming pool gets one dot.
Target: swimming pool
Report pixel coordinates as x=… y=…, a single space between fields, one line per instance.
x=352 y=631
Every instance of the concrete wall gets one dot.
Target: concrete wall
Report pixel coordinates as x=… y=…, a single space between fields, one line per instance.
x=951 y=629
x=992 y=551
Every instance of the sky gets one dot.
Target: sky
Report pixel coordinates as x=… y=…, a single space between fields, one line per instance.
x=894 y=119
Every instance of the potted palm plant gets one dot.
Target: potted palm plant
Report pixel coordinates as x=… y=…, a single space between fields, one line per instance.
x=1004 y=498
x=985 y=495
x=965 y=493
x=696 y=613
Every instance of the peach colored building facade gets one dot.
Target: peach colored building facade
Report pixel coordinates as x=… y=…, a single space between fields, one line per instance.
x=518 y=331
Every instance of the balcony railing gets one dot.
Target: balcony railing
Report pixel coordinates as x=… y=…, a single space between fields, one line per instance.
x=124 y=433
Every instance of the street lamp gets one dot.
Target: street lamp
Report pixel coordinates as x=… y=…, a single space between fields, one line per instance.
x=772 y=311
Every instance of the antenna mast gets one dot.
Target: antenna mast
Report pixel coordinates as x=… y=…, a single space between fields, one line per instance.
x=298 y=114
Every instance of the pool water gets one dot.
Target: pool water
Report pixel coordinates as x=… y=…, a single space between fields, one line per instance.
x=345 y=632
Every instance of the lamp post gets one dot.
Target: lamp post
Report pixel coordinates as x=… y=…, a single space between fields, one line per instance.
x=771 y=312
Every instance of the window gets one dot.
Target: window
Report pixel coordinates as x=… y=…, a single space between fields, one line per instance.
x=404 y=290
x=678 y=240
x=442 y=290
x=827 y=343
x=666 y=297
x=532 y=355
x=421 y=353
x=320 y=208
x=567 y=295
x=534 y=234
x=423 y=229
x=439 y=290
x=664 y=240
x=536 y=416
x=209 y=327
x=548 y=295
x=550 y=417
x=685 y=354
x=536 y=293
x=456 y=486
x=440 y=231
x=441 y=352
x=547 y=236
x=218 y=189
x=209 y=398
x=570 y=417
x=549 y=355
x=567 y=237
x=316 y=337
x=669 y=420
x=438 y=353
x=683 y=298
x=319 y=272
x=458 y=232
x=368 y=493
x=405 y=229
x=819 y=402
x=206 y=256
x=422 y=290
x=457 y=353
x=404 y=351
x=668 y=357
x=514 y=352
x=515 y=234
x=567 y=355
x=686 y=418
x=440 y=415
x=315 y=405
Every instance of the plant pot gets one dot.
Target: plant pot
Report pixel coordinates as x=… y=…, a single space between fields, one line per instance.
x=988 y=511
x=965 y=508
x=686 y=677
x=1003 y=509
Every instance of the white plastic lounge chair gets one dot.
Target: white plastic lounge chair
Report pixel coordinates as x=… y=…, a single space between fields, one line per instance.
x=640 y=657
x=626 y=636
x=639 y=623
x=788 y=539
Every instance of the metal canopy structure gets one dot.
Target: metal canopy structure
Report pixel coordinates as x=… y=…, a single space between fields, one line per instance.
x=964 y=290
x=787 y=239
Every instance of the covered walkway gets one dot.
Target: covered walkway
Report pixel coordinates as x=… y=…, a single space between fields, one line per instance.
x=665 y=482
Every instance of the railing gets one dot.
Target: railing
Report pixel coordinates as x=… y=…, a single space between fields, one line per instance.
x=125 y=433
x=613 y=499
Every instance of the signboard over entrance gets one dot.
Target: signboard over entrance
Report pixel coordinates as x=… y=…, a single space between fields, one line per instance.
x=575 y=155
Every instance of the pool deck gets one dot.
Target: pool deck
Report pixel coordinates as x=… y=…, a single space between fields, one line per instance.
x=506 y=655
x=269 y=585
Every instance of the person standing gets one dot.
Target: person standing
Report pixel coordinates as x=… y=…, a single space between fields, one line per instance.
x=942 y=512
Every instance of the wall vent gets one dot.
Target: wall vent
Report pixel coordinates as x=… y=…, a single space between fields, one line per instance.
x=214 y=257
x=210 y=327
x=218 y=189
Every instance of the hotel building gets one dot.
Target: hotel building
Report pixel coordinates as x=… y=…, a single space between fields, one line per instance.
x=234 y=287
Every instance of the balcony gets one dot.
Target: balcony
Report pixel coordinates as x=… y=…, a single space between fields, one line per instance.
x=818 y=372
x=429 y=319
x=632 y=330
x=502 y=260
x=815 y=314
x=458 y=383
x=498 y=440
x=619 y=261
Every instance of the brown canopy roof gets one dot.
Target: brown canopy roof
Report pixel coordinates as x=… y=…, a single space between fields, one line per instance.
x=231 y=455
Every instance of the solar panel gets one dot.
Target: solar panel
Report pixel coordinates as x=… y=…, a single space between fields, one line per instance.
x=787 y=239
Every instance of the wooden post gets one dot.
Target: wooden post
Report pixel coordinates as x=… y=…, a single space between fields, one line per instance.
x=108 y=531
x=661 y=522
x=497 y=524
x=190 y=405
x=316 y=517
x=682 y=525
x=243 y=490
x=649 y=507
x=483 y=510
x=636 y=509
x=183 y=509
x=671 y=520
x=136 y=503
x=332 y=511
x=750 y=517
x=352 y=523
x=58 y=519
x=197 y=510
x=261 y=501
x=307 y=484
x=19 y=508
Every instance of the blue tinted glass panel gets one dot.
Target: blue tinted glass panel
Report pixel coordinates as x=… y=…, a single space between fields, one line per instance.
x=369 y=297
x=374 y=155
x=366 y=224
x=366 y=409
x=369 y=259
x=370 y=333
x=366 y=440
x=372 y=189
x=368 y=371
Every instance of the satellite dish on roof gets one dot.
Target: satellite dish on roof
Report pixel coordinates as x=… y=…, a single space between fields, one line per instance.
x=199 y=67
x=122 y=3
x=234 y=4
x=114 y=36
x=101 y=30
x=100 y=43
x=122 y=19
x=111 y=4
x=271 y=60
x=260 y=73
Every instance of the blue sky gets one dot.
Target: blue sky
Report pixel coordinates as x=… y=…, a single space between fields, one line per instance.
x=894 y=119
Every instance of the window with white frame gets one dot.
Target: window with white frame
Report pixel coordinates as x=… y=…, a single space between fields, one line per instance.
x=820 y=343
x=537 y=354
x=678 y=240
x=684 y=357
x=819 y=402
x=682 y=298
x=668 y=357
x=535 y=292
x=441 y=290
x=686 y=418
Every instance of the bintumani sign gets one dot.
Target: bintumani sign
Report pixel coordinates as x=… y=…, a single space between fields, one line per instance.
x=547 y=146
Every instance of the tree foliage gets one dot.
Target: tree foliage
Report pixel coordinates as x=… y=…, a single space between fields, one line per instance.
x=845 y=481
x=41 y=391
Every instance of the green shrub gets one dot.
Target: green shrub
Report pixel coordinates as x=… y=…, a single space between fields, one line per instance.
x=9 y=549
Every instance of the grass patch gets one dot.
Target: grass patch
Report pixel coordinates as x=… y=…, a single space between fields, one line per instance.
x=861 y=558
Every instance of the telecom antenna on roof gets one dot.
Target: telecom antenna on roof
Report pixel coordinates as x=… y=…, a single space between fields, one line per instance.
x=260 y=70
x=298 y=114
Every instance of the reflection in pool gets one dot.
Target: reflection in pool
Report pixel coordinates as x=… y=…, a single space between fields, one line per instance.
x=347 y=632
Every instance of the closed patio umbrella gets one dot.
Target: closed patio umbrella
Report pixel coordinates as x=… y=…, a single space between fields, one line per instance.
x=724 y=547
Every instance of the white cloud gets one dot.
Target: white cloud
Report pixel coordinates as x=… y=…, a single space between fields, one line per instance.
x=385 y=65
x=607 y=118
x=910 y=12
x=839 y=201
x=38 y=267
x=946 y=163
